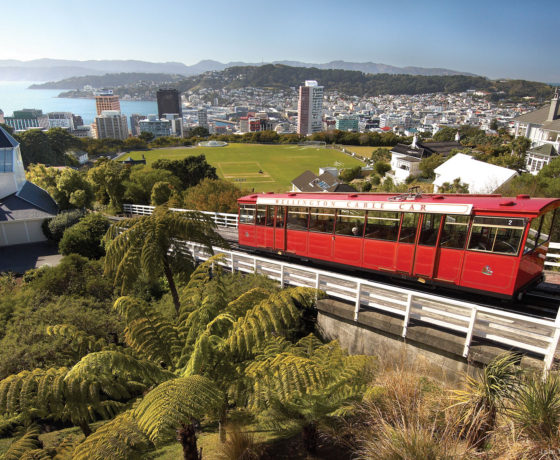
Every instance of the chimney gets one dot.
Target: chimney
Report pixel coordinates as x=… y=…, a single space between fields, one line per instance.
x=414 y=141
x=554 y=111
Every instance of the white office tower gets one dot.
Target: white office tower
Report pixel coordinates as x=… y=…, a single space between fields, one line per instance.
x=310 y=108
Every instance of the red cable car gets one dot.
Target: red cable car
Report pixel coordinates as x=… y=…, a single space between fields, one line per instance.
x=480 y=243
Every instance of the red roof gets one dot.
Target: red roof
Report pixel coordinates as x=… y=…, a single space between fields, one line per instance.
x=386 y=128
x=481 y=203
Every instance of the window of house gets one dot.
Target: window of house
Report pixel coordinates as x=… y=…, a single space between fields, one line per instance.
x=6 y=164
x=382 y=225
x=350 y=222
x=321 y=220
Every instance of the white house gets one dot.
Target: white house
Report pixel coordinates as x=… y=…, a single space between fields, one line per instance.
x=481 y=177
x=542 y=127
x=23 y=205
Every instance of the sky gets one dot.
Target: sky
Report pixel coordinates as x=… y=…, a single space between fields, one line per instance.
x=494 y=38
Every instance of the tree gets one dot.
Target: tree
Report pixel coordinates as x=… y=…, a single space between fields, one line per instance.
x=148 y=244
x=455 y=187
x=190 y=170
x=428 y=164
x=161 y=192
x=68 y=187
x=494 y=124
x=198 y=131
x=135 y=143
x=35 y=148
x=141 y=181
x=107 y=178
x=85 y=237
x=60 y=141
x=146 y=136
x=349 y=174
x=213 y=195
x=54 y=228
x=381 y=168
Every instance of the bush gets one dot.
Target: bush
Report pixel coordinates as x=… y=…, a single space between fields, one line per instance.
x=84 y=238
x=382 y=168
x=54 y=228
x=349 y=174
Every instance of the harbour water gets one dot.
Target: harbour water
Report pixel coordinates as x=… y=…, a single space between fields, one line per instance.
x=17 y=96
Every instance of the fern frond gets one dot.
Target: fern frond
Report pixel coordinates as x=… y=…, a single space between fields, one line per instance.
x=175 y=402
x=28 y=442
x=148 y=332
x=36 y=454
x=82 y=342
x=246 y=301
x=119 y=439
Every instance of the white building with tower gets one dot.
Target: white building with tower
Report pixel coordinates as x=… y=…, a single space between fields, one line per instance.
x=310 y=108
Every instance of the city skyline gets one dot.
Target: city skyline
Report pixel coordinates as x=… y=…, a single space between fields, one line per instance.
x=494 y=39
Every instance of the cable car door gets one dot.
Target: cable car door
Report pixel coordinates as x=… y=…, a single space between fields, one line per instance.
x=280 y=229
x=426 y=247
x=407 y=242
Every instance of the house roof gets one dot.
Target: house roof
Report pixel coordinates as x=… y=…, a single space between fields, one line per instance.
x=545 y=149
x=553 y=125
x=326 y=182
x=38 y=197
x=481 y=177
x=13 y=208
x=426 y=149
x=536 y=116
x=6 y=141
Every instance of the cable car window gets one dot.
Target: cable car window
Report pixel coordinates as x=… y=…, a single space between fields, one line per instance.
x=297 y=218
x=350 y=222
x=321 y=220
x=454 y=233
x=533 y=235
x=383 y=225
x=270 y=216
x=430 y=229
x=501 y=235
x=546 y=228
x=247 y=214
x=408 y=227
x=280 y=213
x=261 y=214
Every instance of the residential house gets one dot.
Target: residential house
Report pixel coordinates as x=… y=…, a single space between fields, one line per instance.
x=326 y=182
x=23 y=205
x=481 y=177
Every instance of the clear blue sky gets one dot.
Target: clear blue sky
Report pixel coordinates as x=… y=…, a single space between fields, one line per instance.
x=495 y=38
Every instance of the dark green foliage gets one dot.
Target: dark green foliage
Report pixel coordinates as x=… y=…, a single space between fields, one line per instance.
x=349 y=174
x=428 y=164
x=198 y=131
x=85 y=237
x=35 y=148
x=54 y=228
x=382 y=168
x=108 y=180
x=161 y=192
x=141 y=181
x=190 y=170
x=213 y=195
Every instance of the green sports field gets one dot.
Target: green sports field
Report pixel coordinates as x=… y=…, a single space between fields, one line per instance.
x=262 y=167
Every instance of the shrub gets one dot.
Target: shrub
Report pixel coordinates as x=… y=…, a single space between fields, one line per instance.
x=54 y=228
x=382 y=168
x=84 y=238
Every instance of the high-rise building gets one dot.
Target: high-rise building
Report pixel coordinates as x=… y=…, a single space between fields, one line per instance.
x=310 y=108
x=106 y=100
x=203 y=118
x=111 y=124
x=61 y=120
x=27 y=118
x=157 y=127
x=168 y=101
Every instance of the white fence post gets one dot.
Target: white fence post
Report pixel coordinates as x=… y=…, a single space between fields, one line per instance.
x=549 y=358
x=468 y=339
x=407 y=314
x=358 y=300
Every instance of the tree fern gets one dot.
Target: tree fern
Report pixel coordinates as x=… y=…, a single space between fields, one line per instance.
x=28 y=442
x=81 y=342
x=119 y=439
x=148 y=332
x=176 y=402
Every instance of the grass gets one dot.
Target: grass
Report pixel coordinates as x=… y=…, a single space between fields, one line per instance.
x=266 y=168
x=364 y=151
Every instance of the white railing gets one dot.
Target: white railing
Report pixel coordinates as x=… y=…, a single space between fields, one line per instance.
x=553 y=255
x=221 y=219
x=230 y=220
x=535 y=335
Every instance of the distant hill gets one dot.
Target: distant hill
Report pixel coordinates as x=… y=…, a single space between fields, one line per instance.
x=58 y=69
x=109 y=80
x=356 y=83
